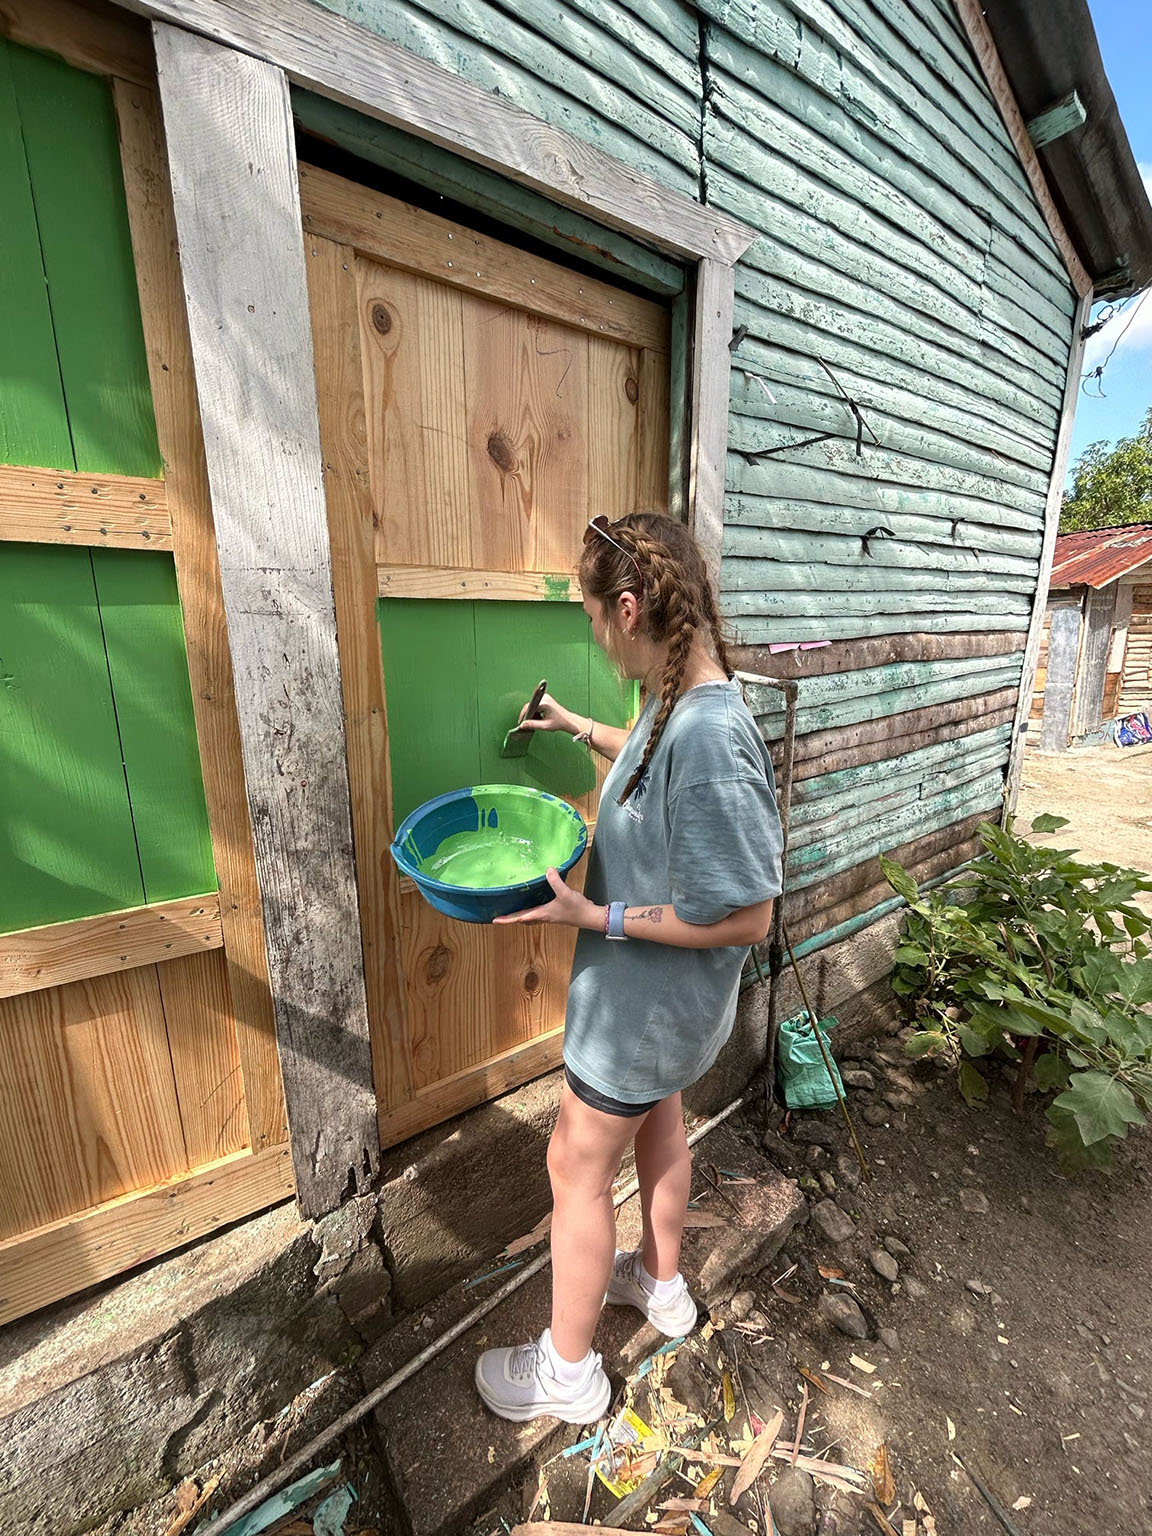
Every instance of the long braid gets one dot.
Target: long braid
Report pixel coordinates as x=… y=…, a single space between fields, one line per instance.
x=682 y=622
x=716 y=625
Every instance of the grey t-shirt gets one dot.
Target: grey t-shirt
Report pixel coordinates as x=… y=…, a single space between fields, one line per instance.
x=701 y=833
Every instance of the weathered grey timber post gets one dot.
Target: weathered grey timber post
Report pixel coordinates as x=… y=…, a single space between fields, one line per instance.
x=1060 y=678
x=228 y=127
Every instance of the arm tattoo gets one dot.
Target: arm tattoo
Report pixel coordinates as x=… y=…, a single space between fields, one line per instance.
x=649 y=914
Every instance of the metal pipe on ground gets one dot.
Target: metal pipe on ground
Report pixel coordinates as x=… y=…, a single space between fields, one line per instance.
x=275 y=1480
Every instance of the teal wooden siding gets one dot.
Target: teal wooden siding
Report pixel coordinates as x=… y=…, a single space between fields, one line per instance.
x=901 y=246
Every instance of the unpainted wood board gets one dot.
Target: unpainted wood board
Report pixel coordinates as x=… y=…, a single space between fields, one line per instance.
x=332 y=56
x=880 y=650
x=66 y=1256
x=104 y=41
x=335 y=314
x=655 y=418
x=69 y=849
x=1060 y=678
x=1088 y=703
x=447 y=969
x=614 y=430
x=33 y=417
x=474 y=187
x=419 y=464
x=474 y=585
x=44 y=506
x=412 y=239
x=144 y=640
x=169 y=355
x=92 y=946
x=711 y=336
x=69 y=129
x=88 y=1107
x=526 y=387
x=475 y=1085
x=205 y=1061
x=228 y=134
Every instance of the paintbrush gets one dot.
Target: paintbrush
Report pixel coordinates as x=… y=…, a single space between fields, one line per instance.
x=517 y=739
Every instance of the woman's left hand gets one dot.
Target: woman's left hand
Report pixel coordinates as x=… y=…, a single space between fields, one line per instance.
x=569 y=908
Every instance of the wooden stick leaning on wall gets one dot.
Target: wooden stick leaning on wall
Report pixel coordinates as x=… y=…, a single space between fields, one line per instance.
x=198 y=576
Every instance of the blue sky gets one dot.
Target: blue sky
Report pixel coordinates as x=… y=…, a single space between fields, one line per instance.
x=1124 y=31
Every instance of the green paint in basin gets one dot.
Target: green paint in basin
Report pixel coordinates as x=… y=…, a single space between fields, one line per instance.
x=486 y=858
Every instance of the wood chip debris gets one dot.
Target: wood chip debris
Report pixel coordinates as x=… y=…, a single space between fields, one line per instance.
x=758 y=1453
x=800 y=1417
x=1023 y=1502
x=842 y=1381
x=861 y=1365
x=883 y=1483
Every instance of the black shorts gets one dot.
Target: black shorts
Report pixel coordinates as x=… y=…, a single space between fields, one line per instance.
x=597 y=1100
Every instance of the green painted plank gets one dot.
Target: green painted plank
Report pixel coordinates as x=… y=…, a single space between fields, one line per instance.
x=929 y=525
x=887 y=791
x=33 y=419
x=429 y=653
x=516 y=645
x=833 y=626
x=497 y=196
x=67 y=847
x=147 y=662
x=896 y=769
x=876 y=559
x=779 y=574
x=871 y=682
x=612 y=699
x=788 y=605
x=69 y=129
x=586 y=106
x=895 y=701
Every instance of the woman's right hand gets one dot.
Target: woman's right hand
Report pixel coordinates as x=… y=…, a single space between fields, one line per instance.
x=551 y=716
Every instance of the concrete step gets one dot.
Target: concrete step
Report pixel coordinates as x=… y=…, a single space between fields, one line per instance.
x=448 y=1456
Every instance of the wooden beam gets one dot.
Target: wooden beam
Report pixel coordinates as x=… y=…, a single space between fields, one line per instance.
x=153 y=227
x=417 y=241
x=103 y=42
x=499 y=586
x=1060 y=118
x=350 y=64
x=112 y=941
x=1052 y=508
x=711 y=370
x=228 y=129
x=971 y=15
x=38 y=1268
x=873 y=651
x=46 y=506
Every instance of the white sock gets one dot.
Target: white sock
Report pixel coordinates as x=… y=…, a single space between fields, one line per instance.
x=568 y=1373
x=659 y=1290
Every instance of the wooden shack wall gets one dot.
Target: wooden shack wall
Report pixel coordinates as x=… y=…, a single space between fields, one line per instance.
x=903 y=252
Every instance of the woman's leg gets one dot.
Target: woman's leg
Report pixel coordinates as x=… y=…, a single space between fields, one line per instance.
x=664 y=1169
x=583 y=1160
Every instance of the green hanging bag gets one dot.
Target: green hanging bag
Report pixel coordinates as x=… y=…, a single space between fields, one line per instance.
x=800 y=1066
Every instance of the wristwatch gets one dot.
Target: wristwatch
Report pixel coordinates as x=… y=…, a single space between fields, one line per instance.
x=614 y=920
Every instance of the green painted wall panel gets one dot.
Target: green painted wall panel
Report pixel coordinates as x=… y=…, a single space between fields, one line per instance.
x=33 y=418
x=67 y=847
x=144 y=639
x=69 y=131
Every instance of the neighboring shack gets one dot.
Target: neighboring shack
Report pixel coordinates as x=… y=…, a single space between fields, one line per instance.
x=1095 y=660
x=325 y=328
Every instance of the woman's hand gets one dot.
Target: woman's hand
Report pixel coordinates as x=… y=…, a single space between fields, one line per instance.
x=551 y=716
x=569 y=908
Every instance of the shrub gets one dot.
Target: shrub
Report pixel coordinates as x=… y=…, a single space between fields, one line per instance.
x=1034 y=957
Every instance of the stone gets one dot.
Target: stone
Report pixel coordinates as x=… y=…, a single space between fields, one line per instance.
x=827 y=1182
x=858 y=1077
x=974 y=1201
x=815 y=1133
x=978 y=1288
x=884 y=1264
x=793 y=1501
x=890 y=1339
x=816 y=1157
x=364 y=1292
x=834 y=1223
x=741 y=1304
x=1136 y=1410
x=897 y=1098
x=897 y=1249
x=843 y=1313
x=874 y=1114
x=915 y=1288
x=848 y=1170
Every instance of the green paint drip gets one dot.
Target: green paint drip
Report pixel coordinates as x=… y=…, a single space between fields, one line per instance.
x=556 y=589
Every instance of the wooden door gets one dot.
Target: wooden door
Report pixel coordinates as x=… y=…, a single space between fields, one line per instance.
x=478 y=404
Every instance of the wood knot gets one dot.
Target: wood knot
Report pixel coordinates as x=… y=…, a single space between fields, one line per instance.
x=501 y=452
x=631 y=389
x=438 y=964
x=531 y=981
x=381 y=318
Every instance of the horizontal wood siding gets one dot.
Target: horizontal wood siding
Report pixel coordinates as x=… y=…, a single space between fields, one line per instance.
x=902 y=251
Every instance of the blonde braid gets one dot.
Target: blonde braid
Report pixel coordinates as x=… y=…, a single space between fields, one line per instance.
x=671 y=595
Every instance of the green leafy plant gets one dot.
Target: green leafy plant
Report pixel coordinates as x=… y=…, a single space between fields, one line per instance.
x=1036 y=958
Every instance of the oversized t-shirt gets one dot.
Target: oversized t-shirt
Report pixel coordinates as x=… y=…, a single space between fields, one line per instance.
x=700 y=832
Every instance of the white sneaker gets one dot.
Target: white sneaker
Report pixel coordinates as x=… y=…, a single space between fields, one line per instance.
x=517 y=1385
x=675 y=1316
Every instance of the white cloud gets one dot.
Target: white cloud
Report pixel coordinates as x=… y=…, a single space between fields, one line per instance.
x=1137 y=331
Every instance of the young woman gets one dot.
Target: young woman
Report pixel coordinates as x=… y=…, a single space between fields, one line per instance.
x=683 y=869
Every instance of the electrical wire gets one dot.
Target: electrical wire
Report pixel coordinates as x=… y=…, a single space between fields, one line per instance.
x=1097 y=373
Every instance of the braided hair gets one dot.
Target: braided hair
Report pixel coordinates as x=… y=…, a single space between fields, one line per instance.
x=676 y=602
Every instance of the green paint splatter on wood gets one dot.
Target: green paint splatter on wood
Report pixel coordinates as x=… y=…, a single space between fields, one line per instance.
x=556 y=589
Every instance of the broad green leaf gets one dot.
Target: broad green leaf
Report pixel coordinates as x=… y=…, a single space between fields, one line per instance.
x=1100 y=1106
x=1049 y=823
x=1087 y=1023
x=928 y=1040
x=911 y=954
x=899 y=879
x=1050 y=1071
x=1064 y=1136
x=972 y=1085
x=974 y=1044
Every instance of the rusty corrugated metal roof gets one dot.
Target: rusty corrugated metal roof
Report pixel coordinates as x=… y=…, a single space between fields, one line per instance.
x=1100 y=555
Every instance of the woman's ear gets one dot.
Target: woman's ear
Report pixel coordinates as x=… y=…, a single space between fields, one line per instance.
x=628 y=612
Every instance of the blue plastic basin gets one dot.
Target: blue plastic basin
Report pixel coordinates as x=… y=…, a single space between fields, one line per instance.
x=461 y=849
